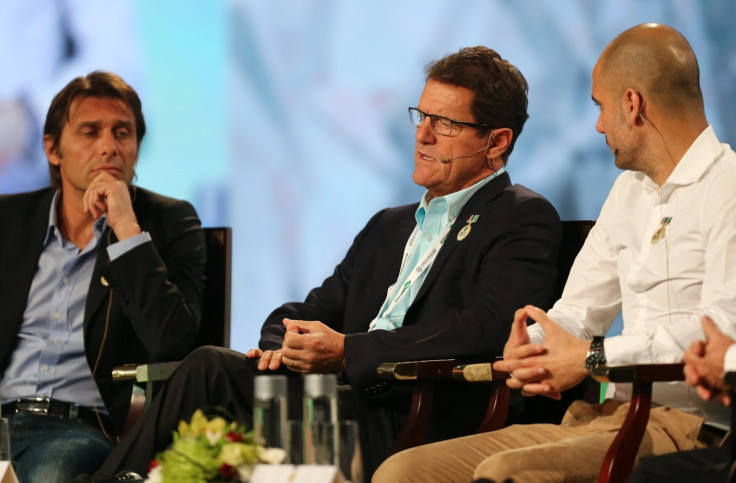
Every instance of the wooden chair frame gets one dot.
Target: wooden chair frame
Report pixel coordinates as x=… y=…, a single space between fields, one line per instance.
x=621 y=455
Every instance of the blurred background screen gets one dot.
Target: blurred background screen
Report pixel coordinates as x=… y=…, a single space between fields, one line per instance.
x=287 y=120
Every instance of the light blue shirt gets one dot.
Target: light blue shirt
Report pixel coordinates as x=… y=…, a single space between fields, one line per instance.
x=432 y=218
x=49 y=359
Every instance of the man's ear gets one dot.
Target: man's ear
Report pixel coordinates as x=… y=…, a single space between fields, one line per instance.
x=52 y=152
x=633 y=104
x=500 y=141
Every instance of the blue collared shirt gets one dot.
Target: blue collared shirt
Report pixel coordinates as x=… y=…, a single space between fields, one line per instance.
x=49 y=359
x=432 y=218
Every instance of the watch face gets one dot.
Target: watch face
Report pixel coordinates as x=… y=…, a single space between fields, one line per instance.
x=594 y=360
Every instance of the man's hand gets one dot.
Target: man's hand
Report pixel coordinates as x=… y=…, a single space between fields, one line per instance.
x=312 y=347
x=270 y=360
x=704 y=363
x=107 y=194
x=546 y=369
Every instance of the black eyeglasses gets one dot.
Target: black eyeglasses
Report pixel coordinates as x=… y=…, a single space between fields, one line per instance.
x=444 y=126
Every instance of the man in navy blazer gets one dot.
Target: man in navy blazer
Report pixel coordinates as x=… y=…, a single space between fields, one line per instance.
x=94 y=273
x=436 y=279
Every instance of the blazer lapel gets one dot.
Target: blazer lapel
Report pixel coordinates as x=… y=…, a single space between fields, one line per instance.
x=98 y=286
x=478 y=204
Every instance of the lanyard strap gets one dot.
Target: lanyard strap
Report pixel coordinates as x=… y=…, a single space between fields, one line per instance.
x=424 y=261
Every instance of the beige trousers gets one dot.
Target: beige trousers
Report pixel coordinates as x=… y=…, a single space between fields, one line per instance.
x=570 y=452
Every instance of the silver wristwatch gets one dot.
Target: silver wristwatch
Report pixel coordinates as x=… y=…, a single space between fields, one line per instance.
x=596 y=356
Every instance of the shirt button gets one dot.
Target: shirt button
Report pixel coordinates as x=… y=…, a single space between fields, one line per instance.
x=66 y=279
x=57 y=315
x=45 y=368
x=429 y=237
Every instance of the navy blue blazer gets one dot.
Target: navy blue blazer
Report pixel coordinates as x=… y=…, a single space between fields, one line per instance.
x=467 y=302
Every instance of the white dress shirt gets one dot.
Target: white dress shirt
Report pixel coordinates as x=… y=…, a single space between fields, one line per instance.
x=662 y=285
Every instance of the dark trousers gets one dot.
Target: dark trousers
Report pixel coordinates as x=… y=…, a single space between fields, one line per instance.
x=217 y=378
x=708 y=464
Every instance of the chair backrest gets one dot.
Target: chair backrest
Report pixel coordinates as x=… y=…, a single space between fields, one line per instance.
x=544 y=410
x=215 y=328
x=574 y=233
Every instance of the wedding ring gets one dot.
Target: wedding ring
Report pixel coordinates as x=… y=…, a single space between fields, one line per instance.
x=293 y=364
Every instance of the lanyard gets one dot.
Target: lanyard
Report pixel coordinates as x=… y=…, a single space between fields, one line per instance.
x=424 y=261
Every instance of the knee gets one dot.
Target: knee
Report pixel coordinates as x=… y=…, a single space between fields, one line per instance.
x=421 y=464
x=501 y=466
x=395 y=468
x=207 y=360
x=204 y=355
x=61 y=459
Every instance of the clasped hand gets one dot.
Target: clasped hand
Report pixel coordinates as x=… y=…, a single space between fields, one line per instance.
x=546 y=369
x=310 y=347
x=704 y=363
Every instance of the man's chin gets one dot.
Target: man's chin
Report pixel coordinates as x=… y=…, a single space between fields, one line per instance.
x=620 y=162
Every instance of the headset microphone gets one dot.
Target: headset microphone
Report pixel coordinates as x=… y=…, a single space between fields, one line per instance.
x=447 y=160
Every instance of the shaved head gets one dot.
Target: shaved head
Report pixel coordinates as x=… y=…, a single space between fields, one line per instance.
x=657 y=61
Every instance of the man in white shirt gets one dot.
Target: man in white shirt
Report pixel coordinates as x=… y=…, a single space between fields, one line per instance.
x=658 y=253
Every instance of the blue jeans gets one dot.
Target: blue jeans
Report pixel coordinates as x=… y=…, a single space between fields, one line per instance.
x=51 y=450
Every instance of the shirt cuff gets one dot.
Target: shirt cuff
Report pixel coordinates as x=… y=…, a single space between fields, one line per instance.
x=621 y=349
x=536 y=334
x=729 y=362
x=117 y=249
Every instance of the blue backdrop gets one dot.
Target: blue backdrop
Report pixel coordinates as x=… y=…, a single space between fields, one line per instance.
x=287 y=120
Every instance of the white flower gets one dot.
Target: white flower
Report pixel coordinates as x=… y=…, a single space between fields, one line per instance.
x=272 y=456
x=232 y=454
x=213 y=436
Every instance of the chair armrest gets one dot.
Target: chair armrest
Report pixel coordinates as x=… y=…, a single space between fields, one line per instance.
x=619 y=460
x=440 y=369
x=142 y=373
x=639 y=373
x=478 y=372
x=158 y=371
x=417 y=370
x=423 y=374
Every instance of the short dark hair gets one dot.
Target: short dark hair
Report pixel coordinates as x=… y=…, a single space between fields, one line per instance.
x=99 y=84
x=500 y=88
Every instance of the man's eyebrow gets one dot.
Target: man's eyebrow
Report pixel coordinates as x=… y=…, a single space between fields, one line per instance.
x=118 y=123
x=84 y=124
x=123 y=123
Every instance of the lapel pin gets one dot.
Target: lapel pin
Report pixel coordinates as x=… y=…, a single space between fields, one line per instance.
x=659 y=234
x=463 y=233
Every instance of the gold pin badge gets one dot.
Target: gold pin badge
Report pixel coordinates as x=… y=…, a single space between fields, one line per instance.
x=659 y=233
x=465 y=231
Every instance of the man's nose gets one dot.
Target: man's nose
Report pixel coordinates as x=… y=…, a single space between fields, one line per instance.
x=108 y=144
x=425 y=134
